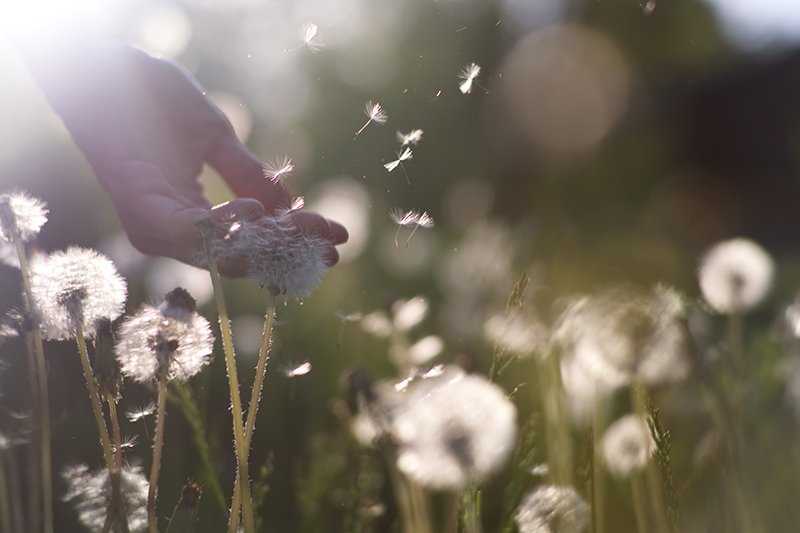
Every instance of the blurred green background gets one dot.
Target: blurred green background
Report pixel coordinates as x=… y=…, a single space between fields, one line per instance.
x=607 y=141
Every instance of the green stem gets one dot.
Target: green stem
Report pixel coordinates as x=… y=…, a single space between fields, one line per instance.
x=639 y=499
x=255 y=397
x=559 y=445
x=598 y=473
x=95 y=398
x=16 y=492
x=43 y=398
x=236 y=402
x=5 y=505
x=158 y=444
x=117 y=506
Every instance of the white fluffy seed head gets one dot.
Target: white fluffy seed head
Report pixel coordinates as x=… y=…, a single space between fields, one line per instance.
x=735 y=275
x=627 y=445
x=156 y=339
x=278 y=255
x=552 y=509
x=25 y=213
x=90 y=493
x=517 y=334
x=76 y=286
x=453 y=430
x=622 y=334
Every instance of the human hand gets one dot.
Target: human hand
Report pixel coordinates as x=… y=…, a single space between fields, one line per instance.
x=147 y=128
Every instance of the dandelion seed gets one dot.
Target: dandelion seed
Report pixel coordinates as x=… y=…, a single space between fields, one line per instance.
x=469 y=74
x=76 y=286
x=412 y=137
x=453 y=430
x=552 y=509
x=170 y=337
x=308 y=34
x=401 y=156
x=297 y=370
x=402 y=219
x=627 y=445
x=424 y=221
x=134 y=414
x=352 y=317
x=375 y=113
x=735 y=275
x=128 y=441
x=277 y=169
x=91 y=494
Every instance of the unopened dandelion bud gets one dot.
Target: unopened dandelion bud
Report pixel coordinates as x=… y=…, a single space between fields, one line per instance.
x=106 y=367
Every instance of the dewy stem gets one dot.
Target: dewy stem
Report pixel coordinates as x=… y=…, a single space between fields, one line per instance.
x=255 y=397
x=236 y=403
x=43 y=399
x=95 y=398
x=158 y=444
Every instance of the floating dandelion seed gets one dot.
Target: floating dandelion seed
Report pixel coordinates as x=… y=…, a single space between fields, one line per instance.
x=469 y=74
x=453 y=430
x=279 y=168
x=308 y=33
x=295 y=370
x=401 y=156
x=424 y=221
x=76 y=286
x=627 y=445
x=136 y=413
x=412 y=137
x=735 y=275
x=375 y=113
x=402 y=219
x=91 y=494
x=552 y=509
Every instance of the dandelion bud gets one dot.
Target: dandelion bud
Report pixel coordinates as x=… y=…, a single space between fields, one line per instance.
x=735 y=275
x=91 y=494
x=106 y=367
x=170 y=338
x=552 y=509
x=453 y=430
x=76 y=287
x=627 y=445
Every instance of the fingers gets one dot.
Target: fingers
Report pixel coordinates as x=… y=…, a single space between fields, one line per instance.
x=244 y=173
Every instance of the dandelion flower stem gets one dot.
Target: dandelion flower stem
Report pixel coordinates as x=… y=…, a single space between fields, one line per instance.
x=42 y=403
x=5 y=505
x=236 y=403
x=95 y=398
x=252 y=408
x=639 y=505
x=158 y=444
x=598 y=473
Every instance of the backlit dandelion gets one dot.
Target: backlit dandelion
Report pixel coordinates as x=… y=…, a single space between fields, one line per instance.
x=91 y=494
x=171 y=337
x=517 y=334
x=21 y=214
x=735 y=275
x=278 y=169
x=469 y=74
x=627 y=445
x=552 y=509
x=453 y=430
x=375 y=113
x=76 y=287
x=308 y=33
x=412 y=137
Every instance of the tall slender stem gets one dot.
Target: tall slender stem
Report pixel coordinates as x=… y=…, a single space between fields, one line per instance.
x=639 y=502
x=598 y=473
x=236 y=402
x=43 y=401
x=158 y=444
x=95 y=398
x=255 y=397
x=5 y=504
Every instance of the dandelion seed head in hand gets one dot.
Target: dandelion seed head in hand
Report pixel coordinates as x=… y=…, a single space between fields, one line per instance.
x=76 y=286
x=279 y=257
x=552 y=509
x=735 y=275
x=412 y=137
x=90 y=493
x=627 y=445
x=453 y=430
x=167 y=337
x=25 y=213
x=468 y=74
x=278 y=169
